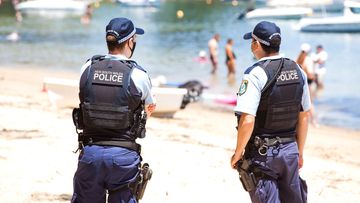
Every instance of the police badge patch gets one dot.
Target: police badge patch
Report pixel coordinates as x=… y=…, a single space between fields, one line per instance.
x=243 y=87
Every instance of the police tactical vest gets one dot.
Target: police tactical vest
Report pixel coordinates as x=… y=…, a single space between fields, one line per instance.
x=108 y=106
x=280 y=102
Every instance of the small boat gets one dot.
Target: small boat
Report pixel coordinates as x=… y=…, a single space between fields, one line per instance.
x=348 y=22
x=168 y=100
x=63 y=93
x=316 y=5
x=279 y=13
x=54 y=8
x=139 y=3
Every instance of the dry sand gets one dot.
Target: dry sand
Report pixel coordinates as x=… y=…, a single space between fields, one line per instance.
x=189 y=154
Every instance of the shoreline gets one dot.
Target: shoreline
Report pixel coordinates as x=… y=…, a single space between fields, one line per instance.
x=40 y=73
x=189 y=154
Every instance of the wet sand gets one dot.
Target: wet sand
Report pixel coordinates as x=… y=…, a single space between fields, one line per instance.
x=189 y=154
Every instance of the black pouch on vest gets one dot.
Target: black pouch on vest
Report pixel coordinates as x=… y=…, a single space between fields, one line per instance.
x=281 y=116
x=78 y=118
x=106 y=116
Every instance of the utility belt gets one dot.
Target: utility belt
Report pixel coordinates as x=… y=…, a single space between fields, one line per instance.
x=262 y=144
x=251 y=172
x=132 y=145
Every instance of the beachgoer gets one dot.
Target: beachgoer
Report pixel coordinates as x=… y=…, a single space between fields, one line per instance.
x=114 y=92
x=319 y=59
x=86 y=18
x=18 y=15
x=272 y=108
x=306 y=63
x=213 y=51
x=230 y=57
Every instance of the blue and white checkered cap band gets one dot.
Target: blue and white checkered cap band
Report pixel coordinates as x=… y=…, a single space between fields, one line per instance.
x=263 y=41
x=123 y=39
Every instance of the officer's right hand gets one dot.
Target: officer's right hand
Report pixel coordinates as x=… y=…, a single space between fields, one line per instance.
x=234 y=159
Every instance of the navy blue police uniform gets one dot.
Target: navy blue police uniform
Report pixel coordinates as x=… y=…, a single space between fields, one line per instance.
x=113 y=93
x=274 y=90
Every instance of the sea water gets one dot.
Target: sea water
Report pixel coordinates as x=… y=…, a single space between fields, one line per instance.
x=171 y=45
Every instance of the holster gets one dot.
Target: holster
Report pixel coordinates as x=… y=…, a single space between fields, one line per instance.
x=138 y=187
x=250 y=173
x=246 y=175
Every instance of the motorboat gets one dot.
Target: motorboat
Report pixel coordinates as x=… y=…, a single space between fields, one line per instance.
x=168 y=100
x=316 y=5
x=53 y=8
x=348 y=22
x=63 y=93
x=279 y=13
x=139 y=3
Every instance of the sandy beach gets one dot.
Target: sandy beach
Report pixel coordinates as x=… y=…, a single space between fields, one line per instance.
x=189 y=154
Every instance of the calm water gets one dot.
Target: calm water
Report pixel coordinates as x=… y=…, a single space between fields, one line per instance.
x=171 y=44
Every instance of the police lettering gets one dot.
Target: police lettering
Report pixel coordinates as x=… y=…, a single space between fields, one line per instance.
x=288 y=75
x=108 y=77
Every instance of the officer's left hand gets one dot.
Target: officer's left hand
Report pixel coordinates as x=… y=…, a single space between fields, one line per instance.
x=301 y=161
x=234 y=159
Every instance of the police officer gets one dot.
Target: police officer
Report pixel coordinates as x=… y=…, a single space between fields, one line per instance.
x=272 y=106
x=114 y=91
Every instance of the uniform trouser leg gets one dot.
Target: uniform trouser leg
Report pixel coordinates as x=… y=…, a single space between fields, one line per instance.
x=287 y=188
x=105 y=168
x=266 y=192
x=289 y=183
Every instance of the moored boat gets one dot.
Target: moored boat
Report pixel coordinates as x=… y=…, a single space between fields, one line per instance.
x=348 y=22
x=279 y=13
x=54 y=8
x=140 y=3
x=63 y=93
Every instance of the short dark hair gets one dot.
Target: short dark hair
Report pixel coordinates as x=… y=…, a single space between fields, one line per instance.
x=274 y=45
x=113 y=44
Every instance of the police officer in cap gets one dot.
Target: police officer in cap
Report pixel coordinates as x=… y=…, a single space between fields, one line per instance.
x=272 y=108
x=114 y=92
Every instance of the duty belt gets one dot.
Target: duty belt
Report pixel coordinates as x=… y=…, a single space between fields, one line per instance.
x=132 y=145
x=263 y=144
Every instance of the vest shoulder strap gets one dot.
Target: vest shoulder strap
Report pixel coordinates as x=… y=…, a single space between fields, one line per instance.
x=268 y=66
x=135 y=65
x=97 y=58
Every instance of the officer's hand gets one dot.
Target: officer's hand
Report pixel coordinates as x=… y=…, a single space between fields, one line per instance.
x=301 y=161
x=234 y=159
x=150 y=109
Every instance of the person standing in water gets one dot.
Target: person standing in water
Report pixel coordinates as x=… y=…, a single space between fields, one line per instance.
x=305 y=62
x=230 y=58
x=213 y=51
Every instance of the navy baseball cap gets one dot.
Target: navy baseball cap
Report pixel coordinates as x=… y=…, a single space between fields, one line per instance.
x=264 y=32
x=123 y=29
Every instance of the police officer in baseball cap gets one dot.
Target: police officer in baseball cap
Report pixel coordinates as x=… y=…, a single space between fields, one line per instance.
x=272 y=105
x=115 y=97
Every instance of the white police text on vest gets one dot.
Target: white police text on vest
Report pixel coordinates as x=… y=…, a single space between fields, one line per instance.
x=288 y=75
x=108 y=77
